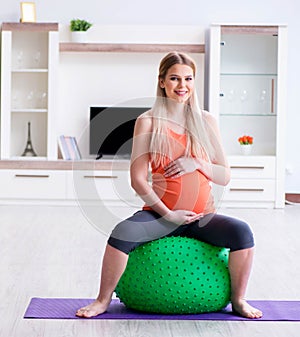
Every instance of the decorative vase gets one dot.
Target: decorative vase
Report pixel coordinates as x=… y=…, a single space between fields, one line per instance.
x=79 y=36
x=246 y=149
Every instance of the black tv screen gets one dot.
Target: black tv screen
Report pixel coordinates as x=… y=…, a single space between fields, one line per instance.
x=111 y=130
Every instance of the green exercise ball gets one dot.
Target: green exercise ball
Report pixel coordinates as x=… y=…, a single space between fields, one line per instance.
x=176 y=275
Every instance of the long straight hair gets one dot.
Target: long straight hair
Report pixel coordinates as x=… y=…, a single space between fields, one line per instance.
x=198 y=143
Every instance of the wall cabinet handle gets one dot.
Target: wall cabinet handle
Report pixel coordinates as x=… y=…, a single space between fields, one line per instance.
x=32 y=175
x=246 y=189
x=100 y=177
x=248 y=167
x=272 y=94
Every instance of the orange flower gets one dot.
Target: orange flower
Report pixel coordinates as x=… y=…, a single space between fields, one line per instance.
x=245 y=140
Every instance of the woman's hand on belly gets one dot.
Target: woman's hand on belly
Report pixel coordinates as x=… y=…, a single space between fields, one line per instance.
x=180 y=166
x=182 y=217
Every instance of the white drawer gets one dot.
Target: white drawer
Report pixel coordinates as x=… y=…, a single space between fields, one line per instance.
x=32 y=184
x=250 y=190
x=100 y=185
x=255 y=167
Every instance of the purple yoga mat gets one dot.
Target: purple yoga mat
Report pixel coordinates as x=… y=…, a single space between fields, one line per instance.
x=65 y=308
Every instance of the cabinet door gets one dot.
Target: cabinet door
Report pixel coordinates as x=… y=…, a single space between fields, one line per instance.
x=254 y=190
x=30 y=63
x=252 y=167
x=108 y=186
x=247 y=96
x=32 y=184
x=104 y=197
x=248 y=89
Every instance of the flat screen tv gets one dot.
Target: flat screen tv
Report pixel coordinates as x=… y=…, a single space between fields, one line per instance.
x=111 y=130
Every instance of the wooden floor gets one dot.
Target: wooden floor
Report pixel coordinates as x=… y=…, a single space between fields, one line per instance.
x=56 y=252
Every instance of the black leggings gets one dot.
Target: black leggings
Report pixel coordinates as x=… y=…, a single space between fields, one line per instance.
x=215 y=229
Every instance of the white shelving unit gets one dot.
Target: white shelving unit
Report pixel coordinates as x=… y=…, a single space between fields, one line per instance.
x=248 y=96
x=29 y=68
x=30 y=73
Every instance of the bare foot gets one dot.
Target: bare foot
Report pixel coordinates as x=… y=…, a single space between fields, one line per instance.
x=93 y=309
x=244 y=309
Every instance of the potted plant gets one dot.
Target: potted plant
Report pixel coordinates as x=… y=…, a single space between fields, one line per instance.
x=246 y=143
x=78 y=29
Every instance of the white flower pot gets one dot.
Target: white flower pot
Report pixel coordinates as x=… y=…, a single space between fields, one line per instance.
x=79 y=36
x=246 y=149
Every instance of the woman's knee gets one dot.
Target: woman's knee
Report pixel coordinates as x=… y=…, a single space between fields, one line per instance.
x=124 y=246
x=241 y=236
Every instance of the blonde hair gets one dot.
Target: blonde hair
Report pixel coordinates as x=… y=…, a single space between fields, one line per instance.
x=197 y=139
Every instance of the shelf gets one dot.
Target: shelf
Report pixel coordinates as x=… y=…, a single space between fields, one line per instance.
x=29 y=70
x=28 y=158
x=249 y=29
x=23 y=163
x=130 y=47
x=247 y=74
x=248 y=115
x=28 y=26
x=252 y=158
x=29 y=110
x=29 y=67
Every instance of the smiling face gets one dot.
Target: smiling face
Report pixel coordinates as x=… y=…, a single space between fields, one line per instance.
x=178 y=83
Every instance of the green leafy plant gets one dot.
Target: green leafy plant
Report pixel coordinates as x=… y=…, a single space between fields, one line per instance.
x=77 y=25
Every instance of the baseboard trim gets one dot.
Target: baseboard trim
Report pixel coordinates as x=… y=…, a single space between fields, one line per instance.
x=293 y=197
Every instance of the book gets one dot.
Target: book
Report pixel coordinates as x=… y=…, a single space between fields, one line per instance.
x=76 y=148
x=69 y=148
x=63 y=148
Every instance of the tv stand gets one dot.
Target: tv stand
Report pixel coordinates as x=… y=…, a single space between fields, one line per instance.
x=63 y=182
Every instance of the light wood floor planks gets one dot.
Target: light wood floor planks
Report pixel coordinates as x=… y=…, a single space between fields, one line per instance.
x=55 y=252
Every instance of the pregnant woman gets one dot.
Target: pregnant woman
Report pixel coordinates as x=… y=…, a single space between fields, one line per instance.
x=181 y=143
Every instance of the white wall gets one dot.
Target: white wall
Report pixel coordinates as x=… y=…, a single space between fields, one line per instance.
x=191 y=12
x=114 y=79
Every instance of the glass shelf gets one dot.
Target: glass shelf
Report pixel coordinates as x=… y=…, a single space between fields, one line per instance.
x=30 y=70
x=238 y=114
x=247 y=74
x=29 y=110
x=248 y=94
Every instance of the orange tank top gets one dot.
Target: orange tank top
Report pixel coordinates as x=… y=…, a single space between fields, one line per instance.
x=191 y=191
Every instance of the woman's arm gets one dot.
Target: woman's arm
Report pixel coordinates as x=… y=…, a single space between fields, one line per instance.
x=139 y=169
x=139 y=166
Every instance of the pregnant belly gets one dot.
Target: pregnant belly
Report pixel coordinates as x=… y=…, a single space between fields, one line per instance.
x=189 y=192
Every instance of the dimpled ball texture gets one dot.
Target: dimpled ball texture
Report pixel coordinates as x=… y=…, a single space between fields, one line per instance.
x=176 y=275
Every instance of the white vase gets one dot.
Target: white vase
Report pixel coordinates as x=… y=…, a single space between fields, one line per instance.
x=246 y=149
x=79 y=36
